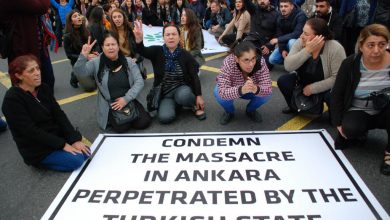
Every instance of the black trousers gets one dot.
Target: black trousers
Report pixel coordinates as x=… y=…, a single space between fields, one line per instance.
x=142 y=122
x=355 y=124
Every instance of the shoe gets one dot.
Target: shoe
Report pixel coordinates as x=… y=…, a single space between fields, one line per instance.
x=341 y=143
x=255 y=116
x=200 y=116
x=73 y=81
x=288 y=110
x=385 y=168
x=226 y=118
x=3 y=125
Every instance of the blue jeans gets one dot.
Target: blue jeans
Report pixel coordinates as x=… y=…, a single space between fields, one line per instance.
x=61 y=160
x=276 y=55
x=254 y=103
x=182 y=96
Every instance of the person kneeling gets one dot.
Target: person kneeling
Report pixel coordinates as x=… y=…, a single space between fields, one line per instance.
x=119 y=83
x=244 y=74
x=44 y=135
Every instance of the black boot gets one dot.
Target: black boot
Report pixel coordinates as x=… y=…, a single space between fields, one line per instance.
x=73 y=81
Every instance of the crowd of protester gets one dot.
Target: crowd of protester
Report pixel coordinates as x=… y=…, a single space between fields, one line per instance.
x=335 y=50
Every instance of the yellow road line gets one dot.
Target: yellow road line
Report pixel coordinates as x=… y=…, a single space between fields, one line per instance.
x=216 y=56
x=59 y=61
x=5 y=80
x=76 y=97
x=209 y=68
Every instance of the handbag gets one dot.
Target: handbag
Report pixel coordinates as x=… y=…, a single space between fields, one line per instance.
x=312 y=104
x=126 y=115
x=380 y=99
x=153 y=98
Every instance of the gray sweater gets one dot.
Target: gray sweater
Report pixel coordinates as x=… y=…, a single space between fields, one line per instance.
x=332 y=56
x=85 y=70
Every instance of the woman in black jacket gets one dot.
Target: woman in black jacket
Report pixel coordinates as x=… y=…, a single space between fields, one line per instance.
x=176 y=70
x=353 y=110
x=76 y=34
x=44 y=135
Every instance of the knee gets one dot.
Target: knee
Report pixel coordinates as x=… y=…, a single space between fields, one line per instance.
x=166 y=117
x=74 y=162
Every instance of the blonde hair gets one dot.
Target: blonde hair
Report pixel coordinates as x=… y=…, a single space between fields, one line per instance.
x=373 y=30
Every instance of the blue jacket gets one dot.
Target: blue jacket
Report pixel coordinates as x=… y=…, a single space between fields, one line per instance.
x=290 y=27
x=63 y=10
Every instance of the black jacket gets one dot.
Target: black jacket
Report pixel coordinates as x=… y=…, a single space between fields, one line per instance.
x=38 y=127
x=344 y=88
x=149 y=17
x=263 y=21
x=189 y=66
x=290 y=27
x=335 y=23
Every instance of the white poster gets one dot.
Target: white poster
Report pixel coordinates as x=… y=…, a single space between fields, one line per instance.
x=216 y=176
x=153 y=36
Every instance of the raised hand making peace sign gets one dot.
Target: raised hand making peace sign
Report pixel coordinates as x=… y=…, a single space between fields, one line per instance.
x=86 y=50
x=138 y=32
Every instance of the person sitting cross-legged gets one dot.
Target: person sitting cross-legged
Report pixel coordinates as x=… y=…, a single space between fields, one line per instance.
x=245 y=75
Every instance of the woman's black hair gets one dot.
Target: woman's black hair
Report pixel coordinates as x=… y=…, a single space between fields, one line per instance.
x=320 y=27
x=239 y=47
x=105 y=62
x=170 y=25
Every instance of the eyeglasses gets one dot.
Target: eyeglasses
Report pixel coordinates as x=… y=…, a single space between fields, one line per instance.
x=248 y=61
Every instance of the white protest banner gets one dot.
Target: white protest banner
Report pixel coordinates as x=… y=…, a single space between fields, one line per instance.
x=216 y=176
x=153 y=36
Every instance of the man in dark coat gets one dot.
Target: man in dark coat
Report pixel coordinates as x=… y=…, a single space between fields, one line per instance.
x=27 y=36
x=325 y=11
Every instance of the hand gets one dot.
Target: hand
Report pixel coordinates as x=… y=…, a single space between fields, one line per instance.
x=220 y=39
x=82 y=147
x=138 y=32
x=315 y=44
x=340 y=129
x=86 y=50
x=249 y=86
x=307 y=90
x=284 y=54
x=70 y=149
x=199 y=103
x=118 y=104
x=264 y=50
x=273 y=41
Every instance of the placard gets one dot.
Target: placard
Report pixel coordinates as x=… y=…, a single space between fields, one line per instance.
x=216 y=176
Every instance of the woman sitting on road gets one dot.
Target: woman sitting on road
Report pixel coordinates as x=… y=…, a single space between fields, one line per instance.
x=176 y=69
x=76 y=34
x=191 y=38
x=315 y=59
x=243 y=75
x=241 y=22
x=44 y=135
x=352 y=108
x=118 y=80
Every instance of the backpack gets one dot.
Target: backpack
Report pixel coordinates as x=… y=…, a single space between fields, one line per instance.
x=6 y=34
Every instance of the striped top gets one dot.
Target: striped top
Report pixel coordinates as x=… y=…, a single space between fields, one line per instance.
x=370 y=81
x=174 y=79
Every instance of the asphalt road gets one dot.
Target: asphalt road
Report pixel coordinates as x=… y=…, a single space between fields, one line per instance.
x=27 y=192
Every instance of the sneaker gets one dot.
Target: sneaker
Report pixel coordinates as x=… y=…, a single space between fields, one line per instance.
x=385 y=168
x=255 y=116
x=226 y=118
x=73 y=81
x=3 y=125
